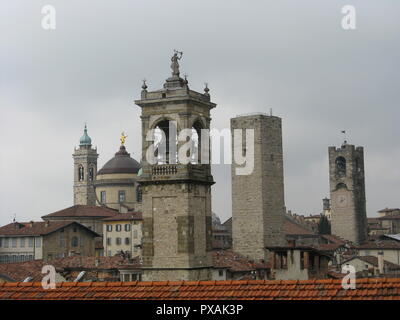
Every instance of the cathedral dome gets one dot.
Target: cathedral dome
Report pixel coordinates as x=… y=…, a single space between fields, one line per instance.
x=121 y=163
x=85 y=139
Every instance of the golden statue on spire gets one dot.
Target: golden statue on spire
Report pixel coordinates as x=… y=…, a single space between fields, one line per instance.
x=123 y=138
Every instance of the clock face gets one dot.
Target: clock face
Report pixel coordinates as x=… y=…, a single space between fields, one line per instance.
x=342 y=200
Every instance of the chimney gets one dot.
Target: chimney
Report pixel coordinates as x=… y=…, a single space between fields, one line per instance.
x=31 y=224
x=46 y=224
x=380 y=263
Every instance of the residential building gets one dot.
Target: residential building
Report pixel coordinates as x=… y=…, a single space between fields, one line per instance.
x=369 y=266
x=298 y=262
x=89 y=216
x=123 y=232
x=45 y=240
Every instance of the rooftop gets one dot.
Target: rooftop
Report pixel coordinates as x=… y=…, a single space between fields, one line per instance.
x=125 y=216
x=329 y=289
x=374 y=261
x=37 y=228
x=82 y=211
x=235 y=262
x=120 y=163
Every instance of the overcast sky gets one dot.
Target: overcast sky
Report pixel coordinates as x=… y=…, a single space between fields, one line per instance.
x=292 y=56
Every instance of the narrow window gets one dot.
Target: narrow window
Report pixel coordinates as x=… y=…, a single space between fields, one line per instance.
x=109 y=241
x=139 y=194
x=118 y=242
x=341 y=166
x=22 y=243
x=91 y=174
x=103 y=197
x=118 y=227
x=121 y=196
x=74 y=242
x=127 y=241
x=14 y=242
x=127 y=227
x=81 y=174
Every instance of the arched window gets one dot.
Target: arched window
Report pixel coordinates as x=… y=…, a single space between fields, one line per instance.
x=197 y=145
x=341 y=166
x=139 y=194
x=81 y=174
x=164 y=152
x=74 y=242
x=91 y=174
x=341 y=186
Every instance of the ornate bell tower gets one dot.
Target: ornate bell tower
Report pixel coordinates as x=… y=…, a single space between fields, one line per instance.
x=85 y=169
x=176 y=202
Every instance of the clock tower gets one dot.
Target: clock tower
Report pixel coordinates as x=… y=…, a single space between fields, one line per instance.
x=347 y=188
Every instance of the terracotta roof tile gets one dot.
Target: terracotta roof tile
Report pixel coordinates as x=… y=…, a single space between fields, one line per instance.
x=36 y=228
x=83 y=211
x=331 y=289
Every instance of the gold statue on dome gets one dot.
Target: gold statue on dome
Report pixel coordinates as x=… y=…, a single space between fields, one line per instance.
x=123 y=138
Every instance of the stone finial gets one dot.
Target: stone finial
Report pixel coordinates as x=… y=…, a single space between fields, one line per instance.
x=144 y=85
x=206 y=89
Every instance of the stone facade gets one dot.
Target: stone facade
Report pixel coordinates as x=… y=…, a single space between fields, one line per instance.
x=347 y=187
x=85 y=158
x=176 y=203
x=258 y=206
x=74 y=239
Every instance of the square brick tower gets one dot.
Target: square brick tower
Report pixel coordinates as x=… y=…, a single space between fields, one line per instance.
x=258 y=204
x=176 y=203
x=347 y=187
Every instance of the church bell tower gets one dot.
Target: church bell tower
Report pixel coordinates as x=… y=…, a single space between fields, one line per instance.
x=85 y=169
x=347 y=187
x=176 y=203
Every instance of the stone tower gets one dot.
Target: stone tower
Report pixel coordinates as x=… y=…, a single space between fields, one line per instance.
x=258 y=204
x=85 y=169
x=347 y=187
x=176 y=203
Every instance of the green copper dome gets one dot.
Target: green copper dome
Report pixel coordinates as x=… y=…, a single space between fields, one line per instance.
x=85 y=139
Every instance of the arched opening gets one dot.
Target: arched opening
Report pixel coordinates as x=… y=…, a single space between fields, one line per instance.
x=164 y=136
x=91 y=173
x=341 y=166
x=341 y=186
x=196 y=143
x=81 y=173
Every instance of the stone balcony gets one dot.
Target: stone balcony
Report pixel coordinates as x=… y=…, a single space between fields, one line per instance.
x=173 y=172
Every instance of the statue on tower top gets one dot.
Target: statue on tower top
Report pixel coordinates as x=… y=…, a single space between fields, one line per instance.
x=175 y=65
